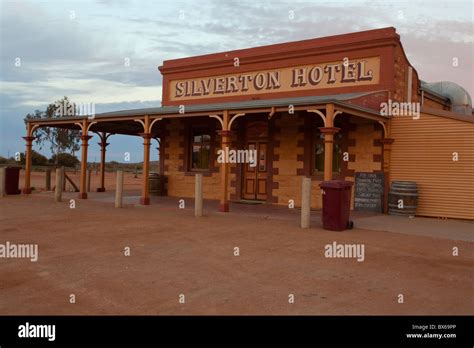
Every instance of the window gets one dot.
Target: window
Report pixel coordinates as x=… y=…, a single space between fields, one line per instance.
x=318 y=156
x=200 y=149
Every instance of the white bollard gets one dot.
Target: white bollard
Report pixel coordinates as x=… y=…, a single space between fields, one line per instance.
x=3 y=178
x=198 y=195
x=306 y=203
x=119 y=190
x=58 y=191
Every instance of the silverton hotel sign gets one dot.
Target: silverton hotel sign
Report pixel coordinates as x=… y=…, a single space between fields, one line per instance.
x=357 y=72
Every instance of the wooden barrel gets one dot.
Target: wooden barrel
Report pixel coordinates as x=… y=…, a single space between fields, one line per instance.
x=153 y=180
x=403 y=198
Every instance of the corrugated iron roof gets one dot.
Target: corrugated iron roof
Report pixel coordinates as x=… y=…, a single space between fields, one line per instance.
x=250 y=104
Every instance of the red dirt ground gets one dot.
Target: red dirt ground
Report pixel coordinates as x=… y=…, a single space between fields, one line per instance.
x=173 y=253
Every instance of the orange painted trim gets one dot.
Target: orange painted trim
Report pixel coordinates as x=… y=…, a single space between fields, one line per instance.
x=329 y=130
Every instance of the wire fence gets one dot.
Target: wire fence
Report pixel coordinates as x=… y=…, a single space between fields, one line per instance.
x=110 y=167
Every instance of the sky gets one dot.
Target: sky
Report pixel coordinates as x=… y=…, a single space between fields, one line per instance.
x=80 y=49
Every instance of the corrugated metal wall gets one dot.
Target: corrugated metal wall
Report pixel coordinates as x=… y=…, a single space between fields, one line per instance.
x=423 y=152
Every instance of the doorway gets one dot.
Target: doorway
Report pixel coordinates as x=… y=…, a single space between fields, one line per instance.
x=255 y=174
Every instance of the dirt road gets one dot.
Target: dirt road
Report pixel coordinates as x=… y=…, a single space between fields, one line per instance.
x=82 y=252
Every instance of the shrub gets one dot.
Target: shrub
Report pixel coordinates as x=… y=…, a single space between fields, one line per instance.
x=65 y=159
x=38 y=159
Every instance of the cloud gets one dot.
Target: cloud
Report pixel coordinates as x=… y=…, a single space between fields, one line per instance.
x=83 y=57
x=79 y=91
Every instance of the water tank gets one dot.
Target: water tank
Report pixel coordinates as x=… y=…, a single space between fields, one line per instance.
x=460 y=99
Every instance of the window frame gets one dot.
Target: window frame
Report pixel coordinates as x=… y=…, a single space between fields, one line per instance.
x=317 y=139
x=202 y=131
x=208 y=127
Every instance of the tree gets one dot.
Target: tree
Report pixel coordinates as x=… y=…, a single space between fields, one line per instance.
x=64 y=159
x=59 y=139
x=38 y=159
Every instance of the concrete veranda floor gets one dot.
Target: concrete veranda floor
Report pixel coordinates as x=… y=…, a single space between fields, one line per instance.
x=173 y=253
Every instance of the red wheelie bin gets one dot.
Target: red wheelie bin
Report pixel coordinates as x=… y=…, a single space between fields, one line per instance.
x=12 y=180
x=336 y=205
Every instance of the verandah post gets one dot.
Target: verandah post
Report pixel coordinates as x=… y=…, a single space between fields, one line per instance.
x=85 y=140
x=103 y=148
x=387 y=147
x=225 y=141
x=328 y=131
x=29 y=144
x=145 y=198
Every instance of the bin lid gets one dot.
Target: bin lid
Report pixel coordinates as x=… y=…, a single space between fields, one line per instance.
x=337 y=184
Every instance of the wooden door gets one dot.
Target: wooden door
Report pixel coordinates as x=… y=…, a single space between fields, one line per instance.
x=261 y=192
x=255 y=176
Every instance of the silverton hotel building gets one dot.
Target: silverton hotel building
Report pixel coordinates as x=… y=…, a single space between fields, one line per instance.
x=325 y=108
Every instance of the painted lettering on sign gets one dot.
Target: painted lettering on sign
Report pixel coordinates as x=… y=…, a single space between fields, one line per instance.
x=369 y=189
x=327 y=75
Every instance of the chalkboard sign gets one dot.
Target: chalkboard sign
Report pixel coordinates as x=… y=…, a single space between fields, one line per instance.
x=369 y=189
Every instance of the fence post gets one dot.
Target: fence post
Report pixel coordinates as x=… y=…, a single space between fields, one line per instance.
x=198 y=195
x=3 y=177
x=48 y=179
x=306 y=202
x=63 y=178
x=88 y=182
x=119 y=190
x=58 y=192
